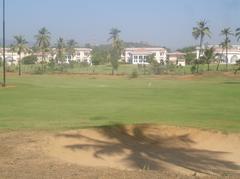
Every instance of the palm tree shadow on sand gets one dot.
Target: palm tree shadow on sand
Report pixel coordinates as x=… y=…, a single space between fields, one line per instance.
x=152 y=151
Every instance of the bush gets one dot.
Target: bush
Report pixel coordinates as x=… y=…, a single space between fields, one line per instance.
x=11 y=68
x=84 y=64
x=29 y=60
x=193 y=69
x=134 y=74
x=38 y=70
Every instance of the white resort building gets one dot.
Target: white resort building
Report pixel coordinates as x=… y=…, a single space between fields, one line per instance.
x=233 y=53
x=177 y=58
x=81 y=55
x=12 y=58
x=139 y=55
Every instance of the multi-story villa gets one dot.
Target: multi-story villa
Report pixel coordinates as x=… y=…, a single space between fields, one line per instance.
x=177 y=58
x=139 y=55
x=12 y=58
x=233 y=53
x=81 y=55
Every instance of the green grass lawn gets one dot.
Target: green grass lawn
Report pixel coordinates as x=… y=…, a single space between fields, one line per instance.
x=51 y=102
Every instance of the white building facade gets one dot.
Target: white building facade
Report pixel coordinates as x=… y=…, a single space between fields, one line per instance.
x=12 y=58
x=139 y=55
x=233 y=53
x=81 y=55
x=177 y=58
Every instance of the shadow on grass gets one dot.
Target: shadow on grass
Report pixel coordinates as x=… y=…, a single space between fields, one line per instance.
x=152 y=151
x=232 y=83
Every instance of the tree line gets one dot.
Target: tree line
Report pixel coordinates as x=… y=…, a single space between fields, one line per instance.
x=112 y=54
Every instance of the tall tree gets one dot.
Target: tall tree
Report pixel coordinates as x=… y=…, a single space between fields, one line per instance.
x=208 y=56
x=226 y=32
x=60 y=50
x=71 y=45
x=199 y=32
x=219 y=56
x=20 y=47
x=116 y=50
x=43 y=42
x=114 y=35
x=238 y=34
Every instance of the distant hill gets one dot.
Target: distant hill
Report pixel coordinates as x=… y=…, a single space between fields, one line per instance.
x=137 y=44
x=125 y=45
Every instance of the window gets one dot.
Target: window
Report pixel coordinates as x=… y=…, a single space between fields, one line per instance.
x=135 y=57
x=140 y=57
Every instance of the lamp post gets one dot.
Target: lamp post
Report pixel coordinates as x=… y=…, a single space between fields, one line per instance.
x=4 y=46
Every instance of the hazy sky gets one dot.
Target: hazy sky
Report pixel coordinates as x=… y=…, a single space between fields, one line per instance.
x=160 y=22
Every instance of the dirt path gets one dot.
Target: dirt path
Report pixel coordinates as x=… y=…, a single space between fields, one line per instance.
x=120 y=152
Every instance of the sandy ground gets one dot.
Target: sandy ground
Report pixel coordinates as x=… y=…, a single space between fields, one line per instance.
x=141 y=151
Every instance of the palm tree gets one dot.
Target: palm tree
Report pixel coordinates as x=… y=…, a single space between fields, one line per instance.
x=43 y=42
x=208 y=56
x=200 y=32
x=220 y=55
x=61 y=50
x=116 y=48
x=114 y=35
x=20 y=47
x=71 y=45
x=238 y=34
x=226 y=32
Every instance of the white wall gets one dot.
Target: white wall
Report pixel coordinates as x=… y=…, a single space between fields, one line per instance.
x=142 y=53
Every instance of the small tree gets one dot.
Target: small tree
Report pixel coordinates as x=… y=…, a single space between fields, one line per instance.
x=70 y=48
x=227 y=33
x=20 y=47
x=60 y=51
x=29 y=60
x=43 y=42
x=155 y=66
x=219 y=56
x=208 y=56
x=190 y=58
x=99 y=56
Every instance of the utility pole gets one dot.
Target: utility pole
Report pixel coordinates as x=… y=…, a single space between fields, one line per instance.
x=4 y=47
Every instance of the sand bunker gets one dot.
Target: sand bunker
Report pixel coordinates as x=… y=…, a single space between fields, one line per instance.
x=148 y=147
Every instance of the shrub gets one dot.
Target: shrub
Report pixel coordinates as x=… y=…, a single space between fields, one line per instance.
x=11 y=68
x=134 y=74
x=84 y=64
x=38 y=70
x=193 y=69
x=29 y=60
